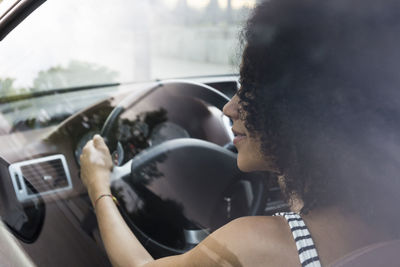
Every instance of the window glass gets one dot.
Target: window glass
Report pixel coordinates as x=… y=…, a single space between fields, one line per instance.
x=74 y=43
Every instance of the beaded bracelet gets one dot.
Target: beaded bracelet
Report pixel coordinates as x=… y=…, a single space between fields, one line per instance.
x=106 y=195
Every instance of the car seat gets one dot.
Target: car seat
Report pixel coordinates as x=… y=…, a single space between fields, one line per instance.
x=379 y=254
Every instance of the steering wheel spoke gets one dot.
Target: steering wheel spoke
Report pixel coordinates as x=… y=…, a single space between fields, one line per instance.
x=120 y=172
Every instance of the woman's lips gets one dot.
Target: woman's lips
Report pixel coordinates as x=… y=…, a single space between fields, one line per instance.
x=238 y=139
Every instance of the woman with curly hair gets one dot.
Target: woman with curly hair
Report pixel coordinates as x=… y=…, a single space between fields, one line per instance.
x=318 y=106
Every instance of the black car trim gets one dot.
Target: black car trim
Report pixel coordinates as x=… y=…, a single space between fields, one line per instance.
x=16 y=14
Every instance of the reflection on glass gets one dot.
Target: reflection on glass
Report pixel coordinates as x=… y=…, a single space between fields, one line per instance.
x=134 y=135
x=140 y=40
x=181 y=189
x=167 y=131
x=160 y=219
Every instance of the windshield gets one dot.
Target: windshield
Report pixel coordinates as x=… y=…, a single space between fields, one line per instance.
x=73 y=43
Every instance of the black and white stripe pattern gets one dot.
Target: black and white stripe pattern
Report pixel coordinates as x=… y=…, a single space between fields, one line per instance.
x=305 y=245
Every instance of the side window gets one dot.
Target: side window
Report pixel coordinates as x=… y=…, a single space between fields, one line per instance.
x=73 y=44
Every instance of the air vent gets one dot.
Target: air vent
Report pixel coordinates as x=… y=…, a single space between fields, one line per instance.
x=41 y=176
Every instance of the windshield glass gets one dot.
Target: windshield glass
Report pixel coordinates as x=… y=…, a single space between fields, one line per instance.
x=73 y=43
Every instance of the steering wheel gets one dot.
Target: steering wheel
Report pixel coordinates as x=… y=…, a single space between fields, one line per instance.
x=186 y=186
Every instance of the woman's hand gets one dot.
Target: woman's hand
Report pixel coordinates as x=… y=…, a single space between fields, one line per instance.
x=96 y=165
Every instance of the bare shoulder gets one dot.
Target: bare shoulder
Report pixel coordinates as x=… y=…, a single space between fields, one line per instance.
x=252 y=241
x=248 y=241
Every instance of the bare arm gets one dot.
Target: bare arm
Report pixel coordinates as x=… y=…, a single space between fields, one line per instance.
x=121 y=245
x=239 y=243
x=124 y=249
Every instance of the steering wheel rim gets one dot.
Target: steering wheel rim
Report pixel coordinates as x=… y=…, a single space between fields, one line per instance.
x=199 y=90
x=192 y=89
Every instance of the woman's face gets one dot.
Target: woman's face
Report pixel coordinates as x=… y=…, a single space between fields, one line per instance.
x=248 y=145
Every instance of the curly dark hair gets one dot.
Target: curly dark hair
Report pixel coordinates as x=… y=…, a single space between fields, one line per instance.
x=320 y=85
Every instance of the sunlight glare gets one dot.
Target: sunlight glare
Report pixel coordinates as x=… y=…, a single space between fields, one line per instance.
x=237 y=4
x=198 y=4
x=170 y=3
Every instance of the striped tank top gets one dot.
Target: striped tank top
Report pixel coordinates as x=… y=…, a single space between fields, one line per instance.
x=305 y=245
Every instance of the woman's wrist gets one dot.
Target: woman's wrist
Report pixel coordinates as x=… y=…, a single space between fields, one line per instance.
x=96 y=192
x=105 y=196
x=97 y=184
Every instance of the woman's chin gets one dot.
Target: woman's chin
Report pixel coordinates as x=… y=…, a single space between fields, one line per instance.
x=246 y=166
x=253 y=164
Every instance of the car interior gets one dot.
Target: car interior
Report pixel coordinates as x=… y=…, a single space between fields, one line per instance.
x=175 y=174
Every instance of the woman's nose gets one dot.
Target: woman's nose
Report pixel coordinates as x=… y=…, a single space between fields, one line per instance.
x=231 y=109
